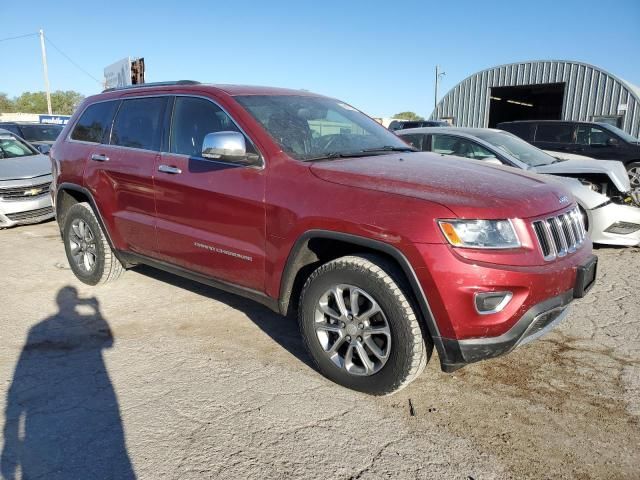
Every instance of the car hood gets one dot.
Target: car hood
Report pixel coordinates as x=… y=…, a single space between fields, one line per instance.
x=24 y=167
x=612 y=168
x=469 y=188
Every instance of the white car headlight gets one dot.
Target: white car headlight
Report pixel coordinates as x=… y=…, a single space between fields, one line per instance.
x=480 y=233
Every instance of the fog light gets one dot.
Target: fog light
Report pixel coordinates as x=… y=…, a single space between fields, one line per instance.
x=623 y=228
x=491 y=302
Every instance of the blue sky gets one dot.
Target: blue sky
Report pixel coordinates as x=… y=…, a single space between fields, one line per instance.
x=377 y=55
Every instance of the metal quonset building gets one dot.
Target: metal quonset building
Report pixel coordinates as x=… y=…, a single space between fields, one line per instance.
x=542 y=90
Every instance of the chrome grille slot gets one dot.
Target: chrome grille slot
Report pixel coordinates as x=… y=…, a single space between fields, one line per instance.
x=560 y=234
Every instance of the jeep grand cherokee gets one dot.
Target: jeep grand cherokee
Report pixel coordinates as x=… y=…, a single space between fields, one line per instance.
x=307 y=205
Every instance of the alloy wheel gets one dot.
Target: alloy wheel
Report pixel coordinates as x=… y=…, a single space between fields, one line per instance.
x=634 y=177
x=352 y=330
x=82 y=243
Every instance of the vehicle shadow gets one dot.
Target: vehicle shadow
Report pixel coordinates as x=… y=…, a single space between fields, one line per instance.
x=283 y=330
x=62 y=419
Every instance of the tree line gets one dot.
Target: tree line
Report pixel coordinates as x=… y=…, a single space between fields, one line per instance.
x=62 y=102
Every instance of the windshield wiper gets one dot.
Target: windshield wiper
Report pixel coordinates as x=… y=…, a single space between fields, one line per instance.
x=390 y=148
x=359 y=153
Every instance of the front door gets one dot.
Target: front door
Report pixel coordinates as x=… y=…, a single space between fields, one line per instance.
x=210 y=214
x=596 y=142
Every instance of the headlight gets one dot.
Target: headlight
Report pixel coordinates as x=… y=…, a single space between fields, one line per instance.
x=480 y=233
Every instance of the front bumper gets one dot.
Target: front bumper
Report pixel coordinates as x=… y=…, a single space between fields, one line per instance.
x=25 y=202
x=601 y=218
x=537 y=321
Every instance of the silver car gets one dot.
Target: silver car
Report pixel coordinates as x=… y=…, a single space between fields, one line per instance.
x=25 y=176
x=601 y=187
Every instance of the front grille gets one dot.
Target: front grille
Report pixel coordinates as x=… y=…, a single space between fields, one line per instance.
x=561 y=234
x=24 y=193
x=30 y=214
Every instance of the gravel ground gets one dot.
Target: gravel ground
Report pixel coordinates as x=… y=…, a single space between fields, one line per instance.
x=158 y=377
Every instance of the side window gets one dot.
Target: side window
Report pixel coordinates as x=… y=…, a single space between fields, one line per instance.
x=587 y=135
x=415 y=140
x=448 y=145
x=138 y=123
x=481 y=153
x=193 y=118
x=12 y=129
x=94 y=122
x=555 y=133
x=522 y=130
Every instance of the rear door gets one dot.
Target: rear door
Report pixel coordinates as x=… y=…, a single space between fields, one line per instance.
x=120 y=173
x=211 y=214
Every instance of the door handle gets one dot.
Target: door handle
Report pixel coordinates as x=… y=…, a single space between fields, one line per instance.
x=169 y=169
x=99 y=157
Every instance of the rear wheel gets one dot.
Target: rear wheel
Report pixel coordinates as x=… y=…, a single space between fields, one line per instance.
x=88 y=252
x=360 y=326
x=633 y=170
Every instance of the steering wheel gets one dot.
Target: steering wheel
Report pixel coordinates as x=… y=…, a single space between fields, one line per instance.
x=333 y=143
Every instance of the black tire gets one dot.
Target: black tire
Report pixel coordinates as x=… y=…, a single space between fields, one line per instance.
x=383 y=282
x=106 y=267
x=633 y=170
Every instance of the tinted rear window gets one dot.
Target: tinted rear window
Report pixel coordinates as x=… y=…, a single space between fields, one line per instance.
x=94 y=122
x=139 y=123
x=554 y=132
x=522 y=130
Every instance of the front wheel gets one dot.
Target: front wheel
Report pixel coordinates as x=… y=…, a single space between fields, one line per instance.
x=360 y=326
x=633 y=170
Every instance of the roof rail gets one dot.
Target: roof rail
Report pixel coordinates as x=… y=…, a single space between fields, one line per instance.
x=153 y=84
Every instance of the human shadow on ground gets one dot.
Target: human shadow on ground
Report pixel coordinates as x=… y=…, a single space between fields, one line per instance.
x=62 y=418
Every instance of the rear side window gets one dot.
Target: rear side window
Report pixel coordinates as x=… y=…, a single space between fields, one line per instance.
x=555 y=133
x=12 y=129
x=94 y=122
x=522 y=130
x=139 y=122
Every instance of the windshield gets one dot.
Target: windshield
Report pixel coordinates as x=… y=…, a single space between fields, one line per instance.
x=40 y=133
x=516 y=147
x=621 y=133
x=12 y=147
x=313 y=128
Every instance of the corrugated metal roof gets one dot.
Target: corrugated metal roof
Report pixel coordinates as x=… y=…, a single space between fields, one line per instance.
x=589 y=91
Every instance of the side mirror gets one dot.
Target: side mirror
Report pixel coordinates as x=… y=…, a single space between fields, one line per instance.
x=228 y=146
x=43 y=148
x=612 y=142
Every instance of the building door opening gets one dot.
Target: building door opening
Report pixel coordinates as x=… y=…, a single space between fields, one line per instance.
x=526 y=102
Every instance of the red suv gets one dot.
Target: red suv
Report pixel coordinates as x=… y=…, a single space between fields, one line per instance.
x=307 y=205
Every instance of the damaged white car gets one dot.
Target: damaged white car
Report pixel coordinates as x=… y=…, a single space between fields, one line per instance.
x=601 y=188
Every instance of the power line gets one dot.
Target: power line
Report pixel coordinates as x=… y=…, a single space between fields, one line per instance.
x=19 y=36
x=71 y=61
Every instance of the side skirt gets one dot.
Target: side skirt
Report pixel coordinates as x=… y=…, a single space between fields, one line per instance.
x=256 y=296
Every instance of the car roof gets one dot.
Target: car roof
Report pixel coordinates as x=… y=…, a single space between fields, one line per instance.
x=7 y=132
x=465 y=132
x=229 y=89
x=545 y=121
x=19 y=122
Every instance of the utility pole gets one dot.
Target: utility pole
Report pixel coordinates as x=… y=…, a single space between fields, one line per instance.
x=46 y=71
x=439 y=74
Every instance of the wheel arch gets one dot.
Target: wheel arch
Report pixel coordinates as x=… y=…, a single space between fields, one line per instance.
x=68 y=194
x=315 y=247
